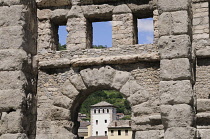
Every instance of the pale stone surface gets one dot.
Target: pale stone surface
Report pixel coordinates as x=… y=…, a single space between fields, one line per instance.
x=180 y=133
x=180 y=115
x=77 y=81
x=14 y=136
x=120 y=79
x=175 y=69
x=203 y=105
x=174 y=46
x=176 y=92
x=151 y=134
x=170 y=5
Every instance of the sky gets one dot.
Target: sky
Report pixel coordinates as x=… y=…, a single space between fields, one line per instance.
x=102 y=32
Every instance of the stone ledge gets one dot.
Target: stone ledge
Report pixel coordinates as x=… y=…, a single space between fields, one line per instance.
x=99 y=60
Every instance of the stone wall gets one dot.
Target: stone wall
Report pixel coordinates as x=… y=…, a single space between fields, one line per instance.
x=18 y=71
x=166 y=83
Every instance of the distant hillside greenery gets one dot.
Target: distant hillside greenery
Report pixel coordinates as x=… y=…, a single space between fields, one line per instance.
x=110 y=96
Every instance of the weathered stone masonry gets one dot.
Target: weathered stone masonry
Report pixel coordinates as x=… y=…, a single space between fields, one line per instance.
x=166 y=83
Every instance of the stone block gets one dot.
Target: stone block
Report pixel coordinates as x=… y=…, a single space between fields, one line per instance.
x=69 y=90
x=165 y=24
x=58 y=113
x=77 y=81
x=139 y=97
x=203 y=133
x=130 y=87
x=171 y=23
x=120 y=79
x=180 y=115
x=142 y=109
x=106 y=75
x=12 y=37
x=11 y=122
x=12 y=59
x=180 y=133
x=14 y=136
x=44 y=14
x=170 y=5
x=174 y=46
x=12 y=80
x=122 y=9
x=14 y=16
x=151 y=134
x=11 y=99
x=203 y=105
x=63 y=101
x=176 y=92
x=180 y=23
x=175 y=69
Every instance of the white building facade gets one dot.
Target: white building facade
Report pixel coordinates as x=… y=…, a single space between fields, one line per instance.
x=102 y=114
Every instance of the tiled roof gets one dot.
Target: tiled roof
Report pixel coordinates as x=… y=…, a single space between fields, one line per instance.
x=102 y=104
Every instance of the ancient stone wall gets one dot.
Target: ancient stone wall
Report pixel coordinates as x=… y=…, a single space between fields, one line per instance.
x=166 y=83
x=18 y=71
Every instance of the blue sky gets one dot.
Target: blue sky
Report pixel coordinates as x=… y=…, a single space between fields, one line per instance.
x=102 y=32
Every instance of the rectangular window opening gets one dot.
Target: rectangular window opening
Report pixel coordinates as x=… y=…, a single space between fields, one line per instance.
x=126 y=132
x=102 y=34
x=62 y=36
x=145 y=28
x=96 y=122
x=105 y=133
x=112 y=132
x=119 y=132
x=105 y=121
x=96 y=133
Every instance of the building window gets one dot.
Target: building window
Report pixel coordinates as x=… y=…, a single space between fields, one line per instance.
x=119 y=132
x=107 y=110
x=105 y=133
x=103 y=110
x=98 y=110
x=96 y=122
x=105 y=121
x=112 y=132
x=94 y=110
x=126 y=132
x=96 y=133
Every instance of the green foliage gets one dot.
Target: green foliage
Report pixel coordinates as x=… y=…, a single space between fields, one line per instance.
x=61 y=47
x=110 y=96
x=99 y=46
x=126 y=117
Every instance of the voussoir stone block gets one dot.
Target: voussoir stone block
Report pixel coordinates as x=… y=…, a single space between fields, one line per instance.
x=77 y=81
x=180 y=133
x=11 y=99
x=175 y=69
x=69 y=90
x=180 y=115
x=203 y=105
x=139 y=97
x=130 y=87
x=170 y=5
x=174 y=46
x=59 y=113
x=176 y=92
x=63 y=101
x=106 y=75
x=120 y=79
x=151 y=134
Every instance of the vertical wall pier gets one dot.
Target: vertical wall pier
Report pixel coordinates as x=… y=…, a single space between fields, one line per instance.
x=177 y=106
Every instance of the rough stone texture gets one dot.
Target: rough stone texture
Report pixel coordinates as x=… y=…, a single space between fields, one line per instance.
x=176 y=92
x=180 y=133
x=175 y=69
x=157 y=79
x=174 y=46
x=152 y=134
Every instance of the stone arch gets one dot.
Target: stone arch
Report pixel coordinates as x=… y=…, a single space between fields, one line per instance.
x=81 y=84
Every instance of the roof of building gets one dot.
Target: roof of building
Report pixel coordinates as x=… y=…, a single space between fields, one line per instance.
x=84 y=124
x=98 y=137
x=120 y=124
x=103 y=104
